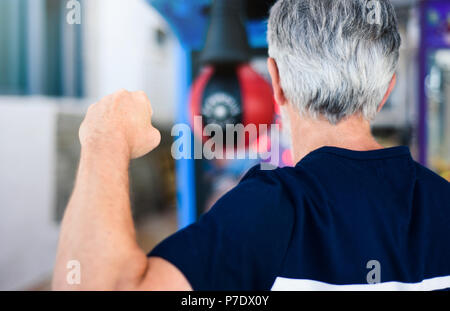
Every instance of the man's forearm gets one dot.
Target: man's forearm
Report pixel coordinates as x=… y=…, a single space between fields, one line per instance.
x=97 y=229
x=97 y=232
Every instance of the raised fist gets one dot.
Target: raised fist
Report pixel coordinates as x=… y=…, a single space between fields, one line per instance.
x=120 y=122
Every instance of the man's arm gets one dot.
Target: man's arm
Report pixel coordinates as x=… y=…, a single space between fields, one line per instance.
x=97 y=229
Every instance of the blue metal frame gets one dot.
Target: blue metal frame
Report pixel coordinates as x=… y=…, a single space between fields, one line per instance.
x=184 y=17
x=185 y=168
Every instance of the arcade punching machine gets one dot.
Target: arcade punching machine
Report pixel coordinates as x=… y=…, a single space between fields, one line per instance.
x=218 y=84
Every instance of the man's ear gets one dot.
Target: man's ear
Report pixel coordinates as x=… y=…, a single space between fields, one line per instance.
x=275 y=75
x=388 y=92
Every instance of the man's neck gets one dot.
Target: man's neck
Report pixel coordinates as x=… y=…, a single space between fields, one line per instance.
x=308 y=134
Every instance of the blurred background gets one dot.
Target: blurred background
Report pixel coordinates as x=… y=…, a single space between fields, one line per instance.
x=52 y=69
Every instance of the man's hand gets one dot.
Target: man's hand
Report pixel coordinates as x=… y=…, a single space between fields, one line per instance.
x=97 y=229
x=120 y=122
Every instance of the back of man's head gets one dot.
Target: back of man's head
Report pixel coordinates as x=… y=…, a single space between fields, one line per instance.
x=336 y=58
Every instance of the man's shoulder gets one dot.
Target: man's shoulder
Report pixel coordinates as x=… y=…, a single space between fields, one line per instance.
x=260 y=199
x=427 y=177
x=261 y=184
x=259 y=187
x=275 y=184
x=277 y=177
x=268 y=176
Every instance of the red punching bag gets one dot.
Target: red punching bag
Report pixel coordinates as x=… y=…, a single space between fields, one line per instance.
x=232 y=96
x=228 y=90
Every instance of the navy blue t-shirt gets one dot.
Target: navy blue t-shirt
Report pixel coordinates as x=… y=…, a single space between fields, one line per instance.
x=338 y=220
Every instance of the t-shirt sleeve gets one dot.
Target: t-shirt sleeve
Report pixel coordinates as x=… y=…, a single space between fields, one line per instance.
x=240 y=243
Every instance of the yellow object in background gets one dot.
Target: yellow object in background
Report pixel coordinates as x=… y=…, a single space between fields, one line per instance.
x=446 y=175
x=441 y=166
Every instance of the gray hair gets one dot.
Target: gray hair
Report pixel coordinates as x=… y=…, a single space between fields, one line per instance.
x=333 y=60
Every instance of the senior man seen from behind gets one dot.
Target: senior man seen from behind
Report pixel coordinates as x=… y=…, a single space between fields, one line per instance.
x=349 y=215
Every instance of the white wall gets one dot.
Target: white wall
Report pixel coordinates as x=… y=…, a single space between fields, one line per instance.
x=121 y=52
x=28 y=235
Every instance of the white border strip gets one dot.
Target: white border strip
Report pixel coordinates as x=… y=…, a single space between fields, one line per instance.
x=285 y=284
